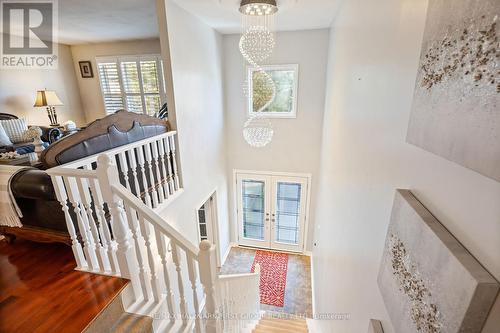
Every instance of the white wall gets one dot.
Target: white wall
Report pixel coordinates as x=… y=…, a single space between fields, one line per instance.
x=90 y=90
x=18 y=91
x=296 y=142
x=195 y=51
x=374 y=53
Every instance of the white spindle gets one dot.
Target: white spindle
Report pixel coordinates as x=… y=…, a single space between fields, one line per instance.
x=149 y=160
x=242 y=306
x=138 y=241
x=177 y=262
x=207 y=264
x=164 y=172
x=193 y=277
x=124 y=168
x=59 y=188
x=83 y=188
x=174 y=162
x=162 y=250
x=133 y=166
x=140 y=157
x=89 y=247
x=107 y=174
x=159 y=176
x=155 y=281
x=108 y=244
x=169 y=166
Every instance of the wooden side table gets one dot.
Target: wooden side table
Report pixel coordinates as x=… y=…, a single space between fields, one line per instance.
x=23 y=160
x=30 y=159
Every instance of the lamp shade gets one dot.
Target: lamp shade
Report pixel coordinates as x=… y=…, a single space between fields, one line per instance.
x=47 y=98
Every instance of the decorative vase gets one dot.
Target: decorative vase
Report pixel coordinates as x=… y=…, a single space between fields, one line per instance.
x=38 y=146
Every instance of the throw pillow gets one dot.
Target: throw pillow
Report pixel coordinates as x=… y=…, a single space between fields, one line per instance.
x=15 y=129
x=4 y=138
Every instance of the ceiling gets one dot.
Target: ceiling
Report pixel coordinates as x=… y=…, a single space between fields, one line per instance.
x=83 y=21
x=223 y=15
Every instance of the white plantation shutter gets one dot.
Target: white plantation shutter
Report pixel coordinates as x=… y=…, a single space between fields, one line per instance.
x=151 y=85
x=132 y=83
x=110 y=85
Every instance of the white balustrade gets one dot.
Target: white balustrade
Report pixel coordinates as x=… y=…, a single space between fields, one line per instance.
x=110 y=203
x=240 y=310
x=60 y=191
x=89 y=246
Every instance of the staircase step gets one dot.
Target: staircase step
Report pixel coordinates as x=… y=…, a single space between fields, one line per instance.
x=273 y=329
x=131 y=323
x=107 y=317
x=284 y=323
x=268 y=324
x=114 y=319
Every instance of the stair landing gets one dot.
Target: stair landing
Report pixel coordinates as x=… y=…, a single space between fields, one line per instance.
x=41 y=292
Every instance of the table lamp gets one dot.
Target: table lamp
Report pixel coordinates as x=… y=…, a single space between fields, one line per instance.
x=49 y=99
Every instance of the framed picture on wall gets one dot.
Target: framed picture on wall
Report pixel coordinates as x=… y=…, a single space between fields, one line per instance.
x=86 y=69
x=280 y=102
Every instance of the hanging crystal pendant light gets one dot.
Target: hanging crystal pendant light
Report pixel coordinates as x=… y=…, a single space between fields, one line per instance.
x=257 y=40
x=258 y=7
x=258 y=131
x=264 y=90
x=256 y=45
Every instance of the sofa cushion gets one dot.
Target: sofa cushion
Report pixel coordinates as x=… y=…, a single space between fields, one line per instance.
x=15 y=129
x=33 y=184
x=4 y=138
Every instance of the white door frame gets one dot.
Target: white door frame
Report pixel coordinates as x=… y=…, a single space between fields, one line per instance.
x=212 y=223
x=237 y=198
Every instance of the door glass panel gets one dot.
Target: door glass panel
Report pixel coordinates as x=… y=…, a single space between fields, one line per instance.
x=287 y=212
x=253 y=209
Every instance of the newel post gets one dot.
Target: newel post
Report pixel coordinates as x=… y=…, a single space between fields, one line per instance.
x=208 y=276
x=107 y=174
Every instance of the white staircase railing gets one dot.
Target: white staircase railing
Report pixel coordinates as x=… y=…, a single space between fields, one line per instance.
x=110 y=203
x=239 y=301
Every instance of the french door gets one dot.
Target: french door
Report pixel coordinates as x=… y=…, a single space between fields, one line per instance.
x=272 y=211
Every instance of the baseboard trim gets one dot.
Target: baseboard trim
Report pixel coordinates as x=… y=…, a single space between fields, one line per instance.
x=312 y=288
x=224 y=258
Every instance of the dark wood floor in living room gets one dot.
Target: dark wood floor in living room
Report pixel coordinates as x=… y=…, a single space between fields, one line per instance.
x=41 y=292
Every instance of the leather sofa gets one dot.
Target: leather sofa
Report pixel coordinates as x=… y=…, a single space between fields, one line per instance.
x=43 y=219
x=49 y=136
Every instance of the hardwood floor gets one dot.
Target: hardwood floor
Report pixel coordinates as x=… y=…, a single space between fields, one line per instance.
x=41 y=292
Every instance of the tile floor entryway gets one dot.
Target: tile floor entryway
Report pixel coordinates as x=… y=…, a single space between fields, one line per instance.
x=298 y=291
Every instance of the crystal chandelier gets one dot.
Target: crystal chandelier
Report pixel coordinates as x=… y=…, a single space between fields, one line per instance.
x=258 y=131
x=256 y=45
x=264 y=90
x=258 y=7
x=257 y=40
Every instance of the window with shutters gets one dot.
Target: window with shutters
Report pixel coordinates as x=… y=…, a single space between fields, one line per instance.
x=133 y=83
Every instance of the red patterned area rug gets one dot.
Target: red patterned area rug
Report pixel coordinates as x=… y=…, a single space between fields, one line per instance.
x=273 y=268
